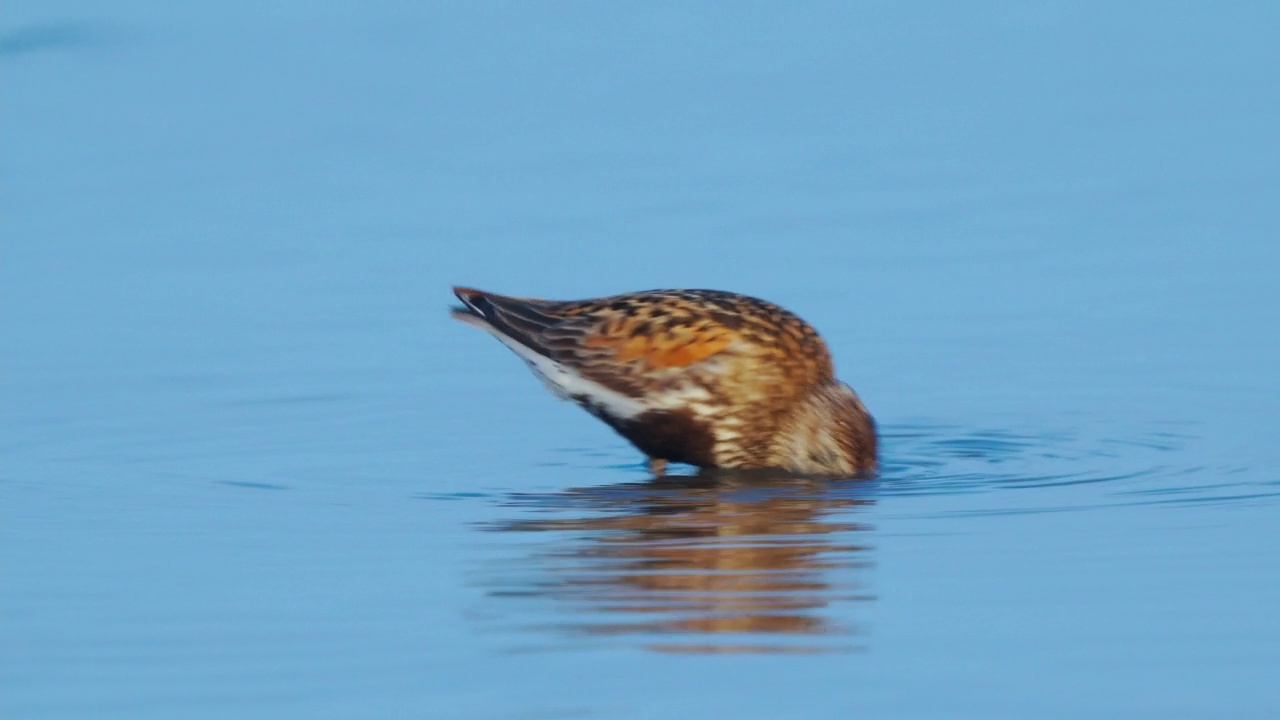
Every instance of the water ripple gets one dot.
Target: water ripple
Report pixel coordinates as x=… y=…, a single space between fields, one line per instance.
x=942 y=460
x=768 y=562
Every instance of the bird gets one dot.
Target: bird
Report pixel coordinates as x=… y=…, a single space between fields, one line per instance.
x=709 y=378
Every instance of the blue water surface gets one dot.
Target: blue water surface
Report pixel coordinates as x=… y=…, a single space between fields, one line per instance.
x=252 y=469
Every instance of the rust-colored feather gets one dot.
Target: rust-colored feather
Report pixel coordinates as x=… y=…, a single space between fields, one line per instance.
x=670 y=348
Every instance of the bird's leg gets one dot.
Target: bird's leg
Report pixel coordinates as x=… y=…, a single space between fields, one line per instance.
x=657 y=466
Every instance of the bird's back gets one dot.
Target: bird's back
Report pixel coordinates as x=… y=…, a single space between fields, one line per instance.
x=698 y=376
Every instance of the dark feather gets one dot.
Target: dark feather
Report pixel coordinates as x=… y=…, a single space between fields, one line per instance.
x=524 y=321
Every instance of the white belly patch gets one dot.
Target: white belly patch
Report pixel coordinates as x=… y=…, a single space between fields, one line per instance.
x=567 y=384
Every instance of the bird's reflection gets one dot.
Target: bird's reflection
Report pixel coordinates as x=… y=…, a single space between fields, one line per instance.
x=705 y=563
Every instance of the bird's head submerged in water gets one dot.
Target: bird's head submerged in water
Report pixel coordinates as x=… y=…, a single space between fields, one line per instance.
x=709 y=378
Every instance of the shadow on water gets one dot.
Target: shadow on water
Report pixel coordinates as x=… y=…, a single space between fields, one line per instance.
x=718 y=563
x=703 y=564
x=48 y=37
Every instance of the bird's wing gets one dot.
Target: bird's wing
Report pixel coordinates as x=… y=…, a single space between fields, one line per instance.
x=635 y=334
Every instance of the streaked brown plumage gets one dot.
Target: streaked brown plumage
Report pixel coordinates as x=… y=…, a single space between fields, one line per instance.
x=710 y=378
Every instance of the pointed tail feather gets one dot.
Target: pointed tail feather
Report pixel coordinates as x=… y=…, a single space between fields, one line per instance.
x=522 y=320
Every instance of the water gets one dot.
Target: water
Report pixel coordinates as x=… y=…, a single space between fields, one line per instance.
x=251 y=468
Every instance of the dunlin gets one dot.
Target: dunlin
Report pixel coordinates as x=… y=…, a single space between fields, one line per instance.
x=704 y=377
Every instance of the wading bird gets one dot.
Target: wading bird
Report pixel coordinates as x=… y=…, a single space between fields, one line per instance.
x=704 y=377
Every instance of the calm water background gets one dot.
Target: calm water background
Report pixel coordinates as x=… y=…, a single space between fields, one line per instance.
x=251 y=469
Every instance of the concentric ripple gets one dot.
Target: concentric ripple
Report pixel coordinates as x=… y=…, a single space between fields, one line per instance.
x=1159 y=466
x=768 y=562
